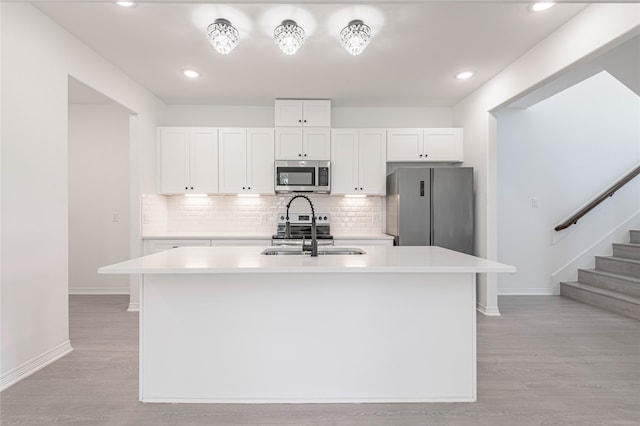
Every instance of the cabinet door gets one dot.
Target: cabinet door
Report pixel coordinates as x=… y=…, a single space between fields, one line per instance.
x=173 y=149
x=203 y=160
x=260 y=161
x=372 y=171
x=288 y=112
x=288 y=143
x=233 y=160
x=443 y=144
x=405 y=144
x=316 y=143
x=316 y=113
x=344 y=161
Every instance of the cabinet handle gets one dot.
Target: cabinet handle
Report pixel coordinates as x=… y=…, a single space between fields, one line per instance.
x=243 y=187
x=192 y=187
x=299 y=155
x=356 y=188
x=248 y=187
x=305 y=121
x=360 y=189
x=426 y=155
x=186 y=187
x=305 y=155
x=299 y=121
x=420 y=155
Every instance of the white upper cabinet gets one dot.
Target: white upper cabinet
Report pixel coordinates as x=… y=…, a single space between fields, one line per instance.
x=443 y=144
x=260 y=161
x=246 y=161
x=295 y=143
x=188 y=160
x=430 y=145
x=302 y=113
x=358 y=161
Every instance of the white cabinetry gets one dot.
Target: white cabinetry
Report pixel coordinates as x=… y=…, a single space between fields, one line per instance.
x=188 y=160
x=156 y=246
x=358 y=161
x=430 y=145
x=302 y=113
x=246 y=161
x=297 y=143
x=362 y=242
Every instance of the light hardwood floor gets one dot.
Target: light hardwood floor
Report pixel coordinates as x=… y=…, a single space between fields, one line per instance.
x=547 y=360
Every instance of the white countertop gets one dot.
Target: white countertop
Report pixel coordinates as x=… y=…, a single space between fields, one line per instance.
x=248 y=236
x=205 y=236
x=243 y=260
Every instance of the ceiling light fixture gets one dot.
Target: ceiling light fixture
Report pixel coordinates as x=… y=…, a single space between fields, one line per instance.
x=125 y=3
x=223 y=36
x=355 y=36
x=464 y=75
x=191 y=73
x=539 y=7
x=289 y=36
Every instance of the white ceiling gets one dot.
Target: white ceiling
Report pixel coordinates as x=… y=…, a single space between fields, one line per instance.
x=416 y=49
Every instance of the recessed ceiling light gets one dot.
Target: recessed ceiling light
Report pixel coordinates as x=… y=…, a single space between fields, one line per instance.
x=191 y=73
x=464 y=75
x=539 y=7
x=125 y=3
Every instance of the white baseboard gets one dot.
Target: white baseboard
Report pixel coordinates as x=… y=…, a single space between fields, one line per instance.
x=35 y=364
x=490 y=312
x=532 y=291
x=91 y=291
x=133 y=307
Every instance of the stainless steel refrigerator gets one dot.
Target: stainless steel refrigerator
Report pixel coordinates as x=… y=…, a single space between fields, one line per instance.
x=431 y=206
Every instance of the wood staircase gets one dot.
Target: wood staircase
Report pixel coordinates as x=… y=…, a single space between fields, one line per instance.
x=614 y=285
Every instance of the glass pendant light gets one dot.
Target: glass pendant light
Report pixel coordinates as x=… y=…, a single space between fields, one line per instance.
x=355 y=36
x=223 y=36
x=289 y=36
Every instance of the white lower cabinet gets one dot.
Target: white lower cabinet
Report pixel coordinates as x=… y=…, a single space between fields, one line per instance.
x=156 y=246
x=358 y=161
x=357 y=242
x=152 y=246
x=246 y=161
x=242 y=242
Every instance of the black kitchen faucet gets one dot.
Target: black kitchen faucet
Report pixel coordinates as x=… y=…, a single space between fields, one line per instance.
x=314 y=238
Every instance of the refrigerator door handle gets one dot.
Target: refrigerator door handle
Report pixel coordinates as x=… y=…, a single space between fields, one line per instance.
x=422 y=188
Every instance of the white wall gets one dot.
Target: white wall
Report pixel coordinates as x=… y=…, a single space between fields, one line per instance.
x=98 y=189
x=257 y=116
x=563 y=152
x=37 y=58
x=598 y=28
x=391 y=117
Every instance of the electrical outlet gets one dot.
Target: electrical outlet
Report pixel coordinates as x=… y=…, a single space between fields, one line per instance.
x=115 y=217
x=534 y=203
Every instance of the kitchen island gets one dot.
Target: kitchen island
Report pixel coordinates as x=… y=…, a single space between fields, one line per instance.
x=229 y=324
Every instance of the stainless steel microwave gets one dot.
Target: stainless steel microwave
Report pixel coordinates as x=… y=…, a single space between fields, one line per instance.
x=303 y=176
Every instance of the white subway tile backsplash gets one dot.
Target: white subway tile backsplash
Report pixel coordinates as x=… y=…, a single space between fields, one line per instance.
x=228 y=214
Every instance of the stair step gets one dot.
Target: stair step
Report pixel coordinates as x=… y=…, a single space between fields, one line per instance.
x=634 y=236
x=618 y=265
x=609 y=281
x=605 y=299
x=627 y=250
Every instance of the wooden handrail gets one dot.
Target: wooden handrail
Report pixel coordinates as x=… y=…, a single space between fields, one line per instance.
x=600 y=198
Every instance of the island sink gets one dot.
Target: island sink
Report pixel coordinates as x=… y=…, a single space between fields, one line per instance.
x=286 y=251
